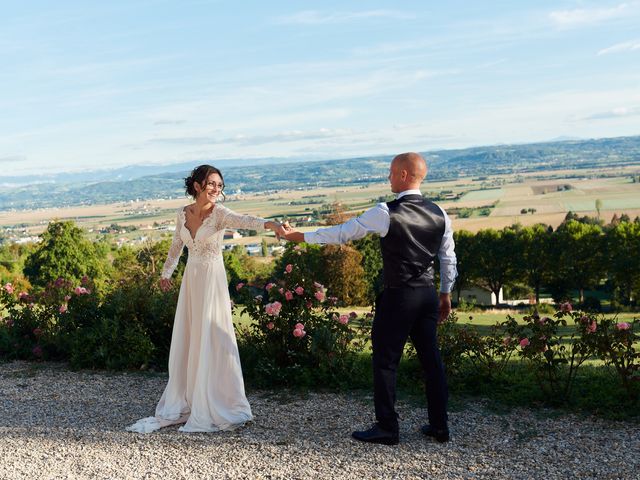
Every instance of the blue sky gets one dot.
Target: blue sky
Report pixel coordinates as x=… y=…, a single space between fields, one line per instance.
x=105 y=84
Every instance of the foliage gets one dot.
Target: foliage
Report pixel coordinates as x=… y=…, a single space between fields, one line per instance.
x=65 y=252
x=296 y=335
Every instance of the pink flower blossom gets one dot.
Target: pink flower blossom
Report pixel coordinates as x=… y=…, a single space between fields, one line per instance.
x=343 y=319
x=333 y=300
x=592 y=327
x=81 y=291
x=299 y=326
x=288 y=295
x=299 y=290
x=37 y=351
x=59 y=282
x=239 y=286
x=269 y=286
x=506 y=341
x=288 y=268
x=9 y=322
x=309 y=304
x=566 y=307
x=353 y=315
x=8 y=287
x=623 y=326
x=298 y=333
x=524 y=342
x=273 y=309
x=67 y=298
x=281 y=290
x=63 y=308
x=297 y=248
x=319 y=296
x=258 y=298
x=318 y=286
x=37 y=332
x=84 y=280
x=23 y=295
x=270 y=325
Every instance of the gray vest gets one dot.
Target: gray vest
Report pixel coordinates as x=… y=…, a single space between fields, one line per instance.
x=410 y=247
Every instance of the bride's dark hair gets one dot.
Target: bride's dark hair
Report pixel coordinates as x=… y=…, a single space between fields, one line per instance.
x=199 y=175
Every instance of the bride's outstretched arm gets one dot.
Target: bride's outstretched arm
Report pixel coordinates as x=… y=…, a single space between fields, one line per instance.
x=173 y=256
x=230 y=219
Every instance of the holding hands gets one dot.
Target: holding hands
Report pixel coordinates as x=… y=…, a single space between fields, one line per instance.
x=284 y=230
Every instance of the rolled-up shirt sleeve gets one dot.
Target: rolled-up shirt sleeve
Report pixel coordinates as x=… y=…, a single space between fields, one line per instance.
x=447 y=257
x=374 y=220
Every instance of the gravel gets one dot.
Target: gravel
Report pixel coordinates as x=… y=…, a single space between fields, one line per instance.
x=56 y=423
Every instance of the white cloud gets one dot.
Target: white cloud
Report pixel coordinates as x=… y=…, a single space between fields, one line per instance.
x=590 y=16
x=617 y=112
x=313 y=17
x=621 y=47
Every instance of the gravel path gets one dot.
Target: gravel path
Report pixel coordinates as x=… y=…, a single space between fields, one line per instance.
x=55 y=423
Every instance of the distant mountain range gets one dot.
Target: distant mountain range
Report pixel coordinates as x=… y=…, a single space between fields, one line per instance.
x=148 y=182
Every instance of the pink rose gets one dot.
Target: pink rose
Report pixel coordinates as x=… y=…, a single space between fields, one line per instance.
x=299 y=326
x=81 y=290
x=269 y=286
x=281 y=290
x=67 y=298
x=288 y=268
x=239 y=286
x=343 y=319
x=524 y=342
x=9 y=288
x=298 y=333
x=63 y=308
x=566 y=307
x=319 y=286
x=270 y=325
x=584 y=319
x=273 y=309
x=592 y=327
x=299 y=290
x=623 y=326
x=23 y=295
x=288 y=295
x=319 y=296
x=37 y=351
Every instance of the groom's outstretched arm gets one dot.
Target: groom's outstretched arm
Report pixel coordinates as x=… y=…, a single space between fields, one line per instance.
x=375 y=220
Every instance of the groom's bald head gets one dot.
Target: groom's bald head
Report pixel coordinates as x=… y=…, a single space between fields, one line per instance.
x=407 y=171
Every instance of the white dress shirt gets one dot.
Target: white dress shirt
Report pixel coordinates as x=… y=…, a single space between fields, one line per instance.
x=376 y=220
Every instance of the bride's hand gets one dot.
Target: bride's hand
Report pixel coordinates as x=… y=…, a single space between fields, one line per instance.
x=277 y=228
x=165 y=284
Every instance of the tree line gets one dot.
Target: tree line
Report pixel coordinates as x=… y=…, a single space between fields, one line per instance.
x=580 y=255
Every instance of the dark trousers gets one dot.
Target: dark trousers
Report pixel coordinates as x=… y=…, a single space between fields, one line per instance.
x=402 y=313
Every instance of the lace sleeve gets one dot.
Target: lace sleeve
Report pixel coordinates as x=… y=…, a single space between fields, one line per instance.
x=229 y=219
x=173 y=257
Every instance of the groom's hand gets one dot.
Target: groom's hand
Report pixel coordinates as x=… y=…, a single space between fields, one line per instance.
x=445 y=307
x=294 y=235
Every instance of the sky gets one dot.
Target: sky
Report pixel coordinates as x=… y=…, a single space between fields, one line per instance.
x=87 y=85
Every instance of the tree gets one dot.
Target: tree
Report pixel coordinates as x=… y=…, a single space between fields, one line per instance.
x=369 y=248
x=532 y=261
x=264 y=247
x=345 y=277
x=578 y=255
x=464 y=255
x=493 y=258
x=65 y=252
x=598 y=206
x=624 y=258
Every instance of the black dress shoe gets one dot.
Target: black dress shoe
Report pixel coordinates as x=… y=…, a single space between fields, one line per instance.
x=377 y=435
x=440 y=435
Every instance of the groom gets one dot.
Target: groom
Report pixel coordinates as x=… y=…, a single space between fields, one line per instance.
x=413 y=232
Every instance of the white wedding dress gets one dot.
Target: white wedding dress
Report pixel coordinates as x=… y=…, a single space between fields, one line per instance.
x=205 y=389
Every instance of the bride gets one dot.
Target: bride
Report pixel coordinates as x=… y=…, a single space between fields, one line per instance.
x=205 y=389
